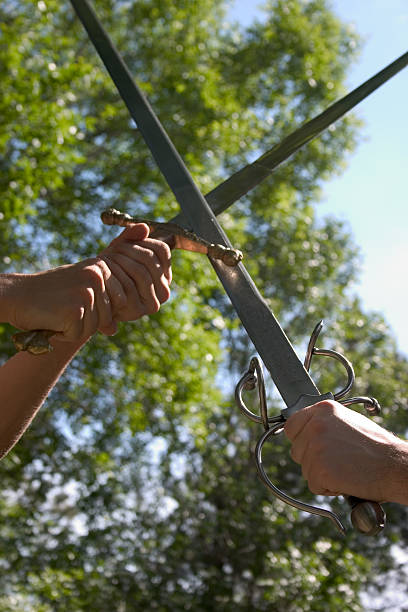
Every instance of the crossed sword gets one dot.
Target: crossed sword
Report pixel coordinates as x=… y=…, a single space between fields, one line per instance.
x=291 y=378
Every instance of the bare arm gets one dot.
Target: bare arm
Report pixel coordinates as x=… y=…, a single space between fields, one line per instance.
x=25 y=382
x=344 y=452
x=128 y=280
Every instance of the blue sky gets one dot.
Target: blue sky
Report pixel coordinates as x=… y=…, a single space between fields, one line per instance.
x=371 y=195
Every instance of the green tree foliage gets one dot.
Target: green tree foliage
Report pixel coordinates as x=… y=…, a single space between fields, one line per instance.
x=135 y=488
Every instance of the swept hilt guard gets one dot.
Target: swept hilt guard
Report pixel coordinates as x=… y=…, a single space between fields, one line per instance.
x=367 y=517
x=291 y=501
x=254 y=378
x=371 y=405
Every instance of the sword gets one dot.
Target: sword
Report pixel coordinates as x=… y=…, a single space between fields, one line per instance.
x=290 y=376
x=248 y=177
x=267 y=335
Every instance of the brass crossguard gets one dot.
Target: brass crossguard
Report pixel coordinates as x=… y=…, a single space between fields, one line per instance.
x=37 y=342
x=176 y=236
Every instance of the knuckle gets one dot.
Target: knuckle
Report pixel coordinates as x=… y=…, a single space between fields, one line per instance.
x=94 y=276
x=103 y=268
x=76 y=314
x=325 y=407
x=150 y=256
x=164 y=249
x=131 y=314
x=142 y=250
x=151 y=305
x=87 y=298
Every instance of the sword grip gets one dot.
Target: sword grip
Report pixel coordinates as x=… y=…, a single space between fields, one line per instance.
x=367 y=517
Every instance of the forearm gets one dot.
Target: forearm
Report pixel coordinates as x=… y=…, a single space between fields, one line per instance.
x=25 y=382
x=397 y=483
x=8 y=285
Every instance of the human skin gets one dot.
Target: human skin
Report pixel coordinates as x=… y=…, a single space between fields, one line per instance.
x=127 y=280
x=343 y=452
x=25 y=382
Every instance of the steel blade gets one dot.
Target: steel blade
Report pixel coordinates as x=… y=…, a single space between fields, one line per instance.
x=269 y=339
x=248 y=177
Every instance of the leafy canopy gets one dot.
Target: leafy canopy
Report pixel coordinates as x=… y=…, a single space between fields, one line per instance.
x=135 y=488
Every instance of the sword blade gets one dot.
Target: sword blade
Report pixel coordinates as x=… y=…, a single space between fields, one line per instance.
x=248 y=177
x=269 y=339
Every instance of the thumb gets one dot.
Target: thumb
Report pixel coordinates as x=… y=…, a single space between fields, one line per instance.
x=137 y=231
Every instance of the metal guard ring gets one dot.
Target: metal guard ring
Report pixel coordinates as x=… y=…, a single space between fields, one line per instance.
x=345 y=362
x=313 y=350
x=252 y=378
x=371 y=405
x=280 y=494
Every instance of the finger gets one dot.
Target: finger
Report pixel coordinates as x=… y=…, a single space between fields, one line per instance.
x=163 y=253
x=308 y=444
x=298 y=421
x=299 y=449
x=315 y=469
x=115 y=290
x=303 y=456
x=108 y=296
x=75 y=329
x=135 y=232
x=104 y=311
x=317 y=481
x=132 y=307
x=317 y=488
x=83 y=325
x=109 y=330
x=143 y=266
x=142 y=276
x=136 y=236
x=90 y=317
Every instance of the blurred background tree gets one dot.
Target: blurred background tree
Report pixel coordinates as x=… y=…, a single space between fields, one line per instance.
x=135 y=488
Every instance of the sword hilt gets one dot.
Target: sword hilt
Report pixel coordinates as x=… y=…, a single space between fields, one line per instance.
x=368 y=517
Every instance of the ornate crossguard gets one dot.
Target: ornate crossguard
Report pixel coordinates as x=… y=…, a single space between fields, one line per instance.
x=37 y=342
x=176 y=236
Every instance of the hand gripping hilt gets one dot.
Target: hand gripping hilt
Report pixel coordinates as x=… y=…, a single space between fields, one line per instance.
x=367 y=517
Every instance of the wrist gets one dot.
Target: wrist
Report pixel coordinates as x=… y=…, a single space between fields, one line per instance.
x=64 y=347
